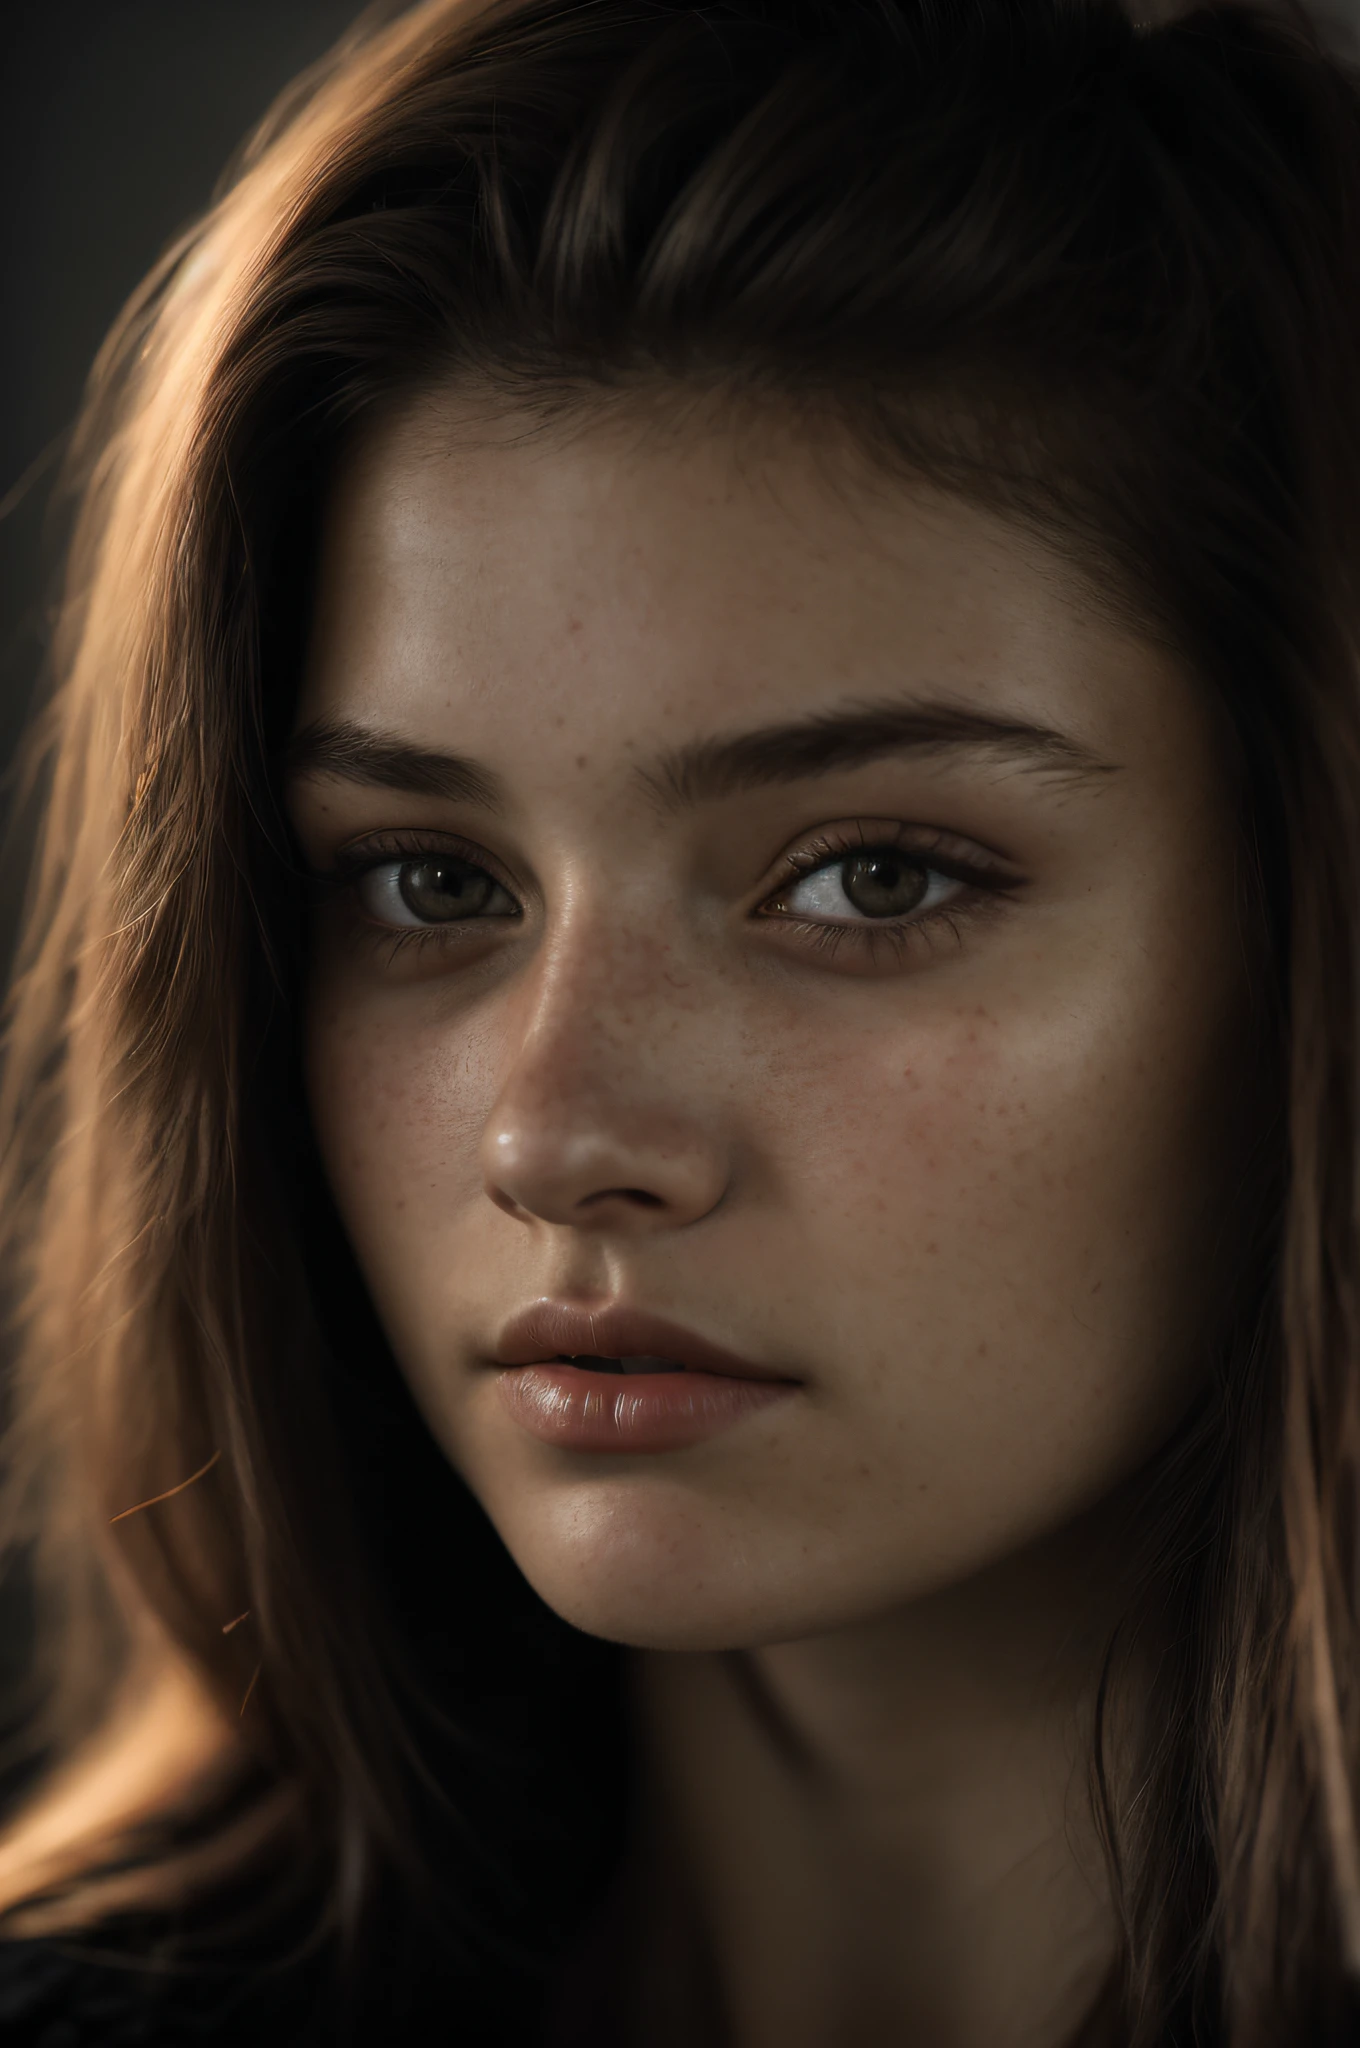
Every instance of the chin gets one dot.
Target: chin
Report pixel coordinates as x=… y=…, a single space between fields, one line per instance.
x=699 y=1624
x=664 y=1573
x=669 y=1572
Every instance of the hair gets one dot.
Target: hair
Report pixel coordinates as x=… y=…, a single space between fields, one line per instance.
x=1102 y=278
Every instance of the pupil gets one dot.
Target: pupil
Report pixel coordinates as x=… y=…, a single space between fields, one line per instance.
x=884 y=884
x=444 y=889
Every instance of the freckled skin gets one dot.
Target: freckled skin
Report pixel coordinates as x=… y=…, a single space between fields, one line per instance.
x=969 y=1197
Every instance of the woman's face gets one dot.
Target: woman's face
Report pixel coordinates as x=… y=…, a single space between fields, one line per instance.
x=776 y=928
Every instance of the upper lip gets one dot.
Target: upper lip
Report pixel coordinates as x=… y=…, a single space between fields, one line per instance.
x=550 y=1330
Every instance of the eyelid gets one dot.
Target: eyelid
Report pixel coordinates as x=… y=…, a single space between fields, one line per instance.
x=947 y=853
x=369 y=850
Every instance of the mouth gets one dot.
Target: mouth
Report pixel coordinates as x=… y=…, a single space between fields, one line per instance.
x=616 y=1380
x=590 y=1361
x=626 y=1342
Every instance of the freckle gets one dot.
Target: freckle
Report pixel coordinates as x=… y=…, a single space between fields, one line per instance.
x=581 y=760
x=573 y=625
x=982 y=1351
x=932 y=1249
x=864 y=1471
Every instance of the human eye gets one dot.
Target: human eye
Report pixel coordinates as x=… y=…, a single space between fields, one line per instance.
x=871 y=883
x=875 y=883
x=439 y=888
x=409 y=888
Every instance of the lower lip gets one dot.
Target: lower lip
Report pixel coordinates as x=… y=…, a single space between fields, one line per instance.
x=637 y=1412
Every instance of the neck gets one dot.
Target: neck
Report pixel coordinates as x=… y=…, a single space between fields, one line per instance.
x=885 y=1832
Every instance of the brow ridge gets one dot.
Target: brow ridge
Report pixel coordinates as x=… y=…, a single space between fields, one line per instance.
x=385 y=760
x=708 y=770
x=711 y=769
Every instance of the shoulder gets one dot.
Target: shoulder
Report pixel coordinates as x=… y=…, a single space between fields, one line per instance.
x=90 y=1949
x=45 y=1995
x=148 y=1983
x=126 y=1990
x=163 y=1747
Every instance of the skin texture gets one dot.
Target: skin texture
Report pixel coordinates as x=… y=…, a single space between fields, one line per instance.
x=964 y=1183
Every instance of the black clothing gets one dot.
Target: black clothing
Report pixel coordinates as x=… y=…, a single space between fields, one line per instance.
x=59 y=1994
x=132 y=1987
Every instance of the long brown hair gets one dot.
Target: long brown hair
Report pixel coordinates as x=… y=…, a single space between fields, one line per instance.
x=1104 y=278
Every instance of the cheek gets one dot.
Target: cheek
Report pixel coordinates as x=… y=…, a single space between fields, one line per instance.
x=398 y=1103
x=1009 y=1217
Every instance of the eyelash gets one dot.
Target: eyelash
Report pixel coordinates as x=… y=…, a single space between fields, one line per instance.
x=382 y=850
x=986 y=886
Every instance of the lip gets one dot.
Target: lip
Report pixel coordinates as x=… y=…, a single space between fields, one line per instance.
x=550 y=1329
x=575 y=1408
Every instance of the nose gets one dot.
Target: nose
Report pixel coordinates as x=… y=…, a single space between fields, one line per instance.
x=602 y=1122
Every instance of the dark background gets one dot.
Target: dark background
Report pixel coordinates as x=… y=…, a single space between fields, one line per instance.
x=116 y=117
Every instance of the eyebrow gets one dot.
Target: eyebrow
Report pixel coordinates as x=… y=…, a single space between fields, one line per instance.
x=708 y=770
x=705 y=771
x=384 y=760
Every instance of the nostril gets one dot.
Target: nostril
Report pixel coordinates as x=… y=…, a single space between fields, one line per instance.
x=627 y=1173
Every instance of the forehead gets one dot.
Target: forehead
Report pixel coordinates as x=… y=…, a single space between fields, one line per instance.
x=486 y=581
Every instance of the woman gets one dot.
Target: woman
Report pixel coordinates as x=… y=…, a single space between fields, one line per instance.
x=683 y=1087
